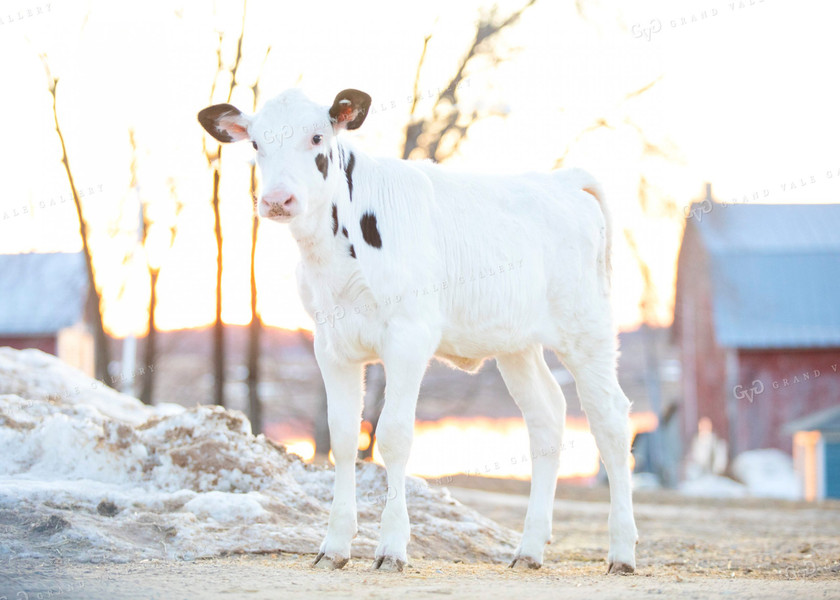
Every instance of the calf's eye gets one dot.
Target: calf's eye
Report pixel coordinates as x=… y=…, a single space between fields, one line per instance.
x=254 y=144
x=316 y=139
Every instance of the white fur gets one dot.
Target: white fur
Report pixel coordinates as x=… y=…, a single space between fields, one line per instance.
x=470 y=267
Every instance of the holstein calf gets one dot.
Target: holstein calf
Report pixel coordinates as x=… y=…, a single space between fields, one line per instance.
x=456 y=266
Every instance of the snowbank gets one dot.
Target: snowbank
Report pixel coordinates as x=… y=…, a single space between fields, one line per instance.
x=94 y=475
x=760 y=474
x=768 y=474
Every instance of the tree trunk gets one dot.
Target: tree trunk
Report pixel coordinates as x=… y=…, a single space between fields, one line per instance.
x=100 y=339
x=218 y=326
x=320 y=426
x=150 y=349
x=254 y=404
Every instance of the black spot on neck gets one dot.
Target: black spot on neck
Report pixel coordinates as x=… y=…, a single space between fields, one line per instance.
x=344 y=232
x=335 y=219
x=322 y=162
x=348 y=170
x=370 y=232
x=352 y=251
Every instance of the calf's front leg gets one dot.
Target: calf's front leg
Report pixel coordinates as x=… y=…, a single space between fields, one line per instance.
x=405 y=362
x=343 y=382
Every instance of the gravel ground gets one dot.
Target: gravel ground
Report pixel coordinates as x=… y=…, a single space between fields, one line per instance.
x=688 y=548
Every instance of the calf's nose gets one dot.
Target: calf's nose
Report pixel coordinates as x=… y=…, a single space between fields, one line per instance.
x=278 y=199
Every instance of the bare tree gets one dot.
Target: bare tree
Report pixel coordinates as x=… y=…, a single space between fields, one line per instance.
x=255 y=326
x=439 y=134
x=149 y=353
x=154 y=263
x=94 y=301
x=214 y=160
x=321 y=424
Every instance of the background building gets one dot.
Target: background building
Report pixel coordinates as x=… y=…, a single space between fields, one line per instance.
x=42 y=305
x=757 y=318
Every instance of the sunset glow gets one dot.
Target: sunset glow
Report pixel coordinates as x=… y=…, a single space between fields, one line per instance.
x=481 y=446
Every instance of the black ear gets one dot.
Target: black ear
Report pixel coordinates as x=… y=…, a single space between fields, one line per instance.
x=349 y=109
x=224 y=122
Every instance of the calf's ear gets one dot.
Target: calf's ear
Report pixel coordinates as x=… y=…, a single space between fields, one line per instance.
x=224 y=122
x=349 y=109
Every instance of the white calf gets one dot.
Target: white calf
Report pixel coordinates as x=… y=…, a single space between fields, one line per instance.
x=402 y=261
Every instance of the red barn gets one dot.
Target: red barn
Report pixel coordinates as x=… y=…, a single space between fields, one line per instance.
x=757 y=318
x=42 y=302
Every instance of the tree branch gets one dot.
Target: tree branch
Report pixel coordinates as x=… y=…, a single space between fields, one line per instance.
x=101 y=353
x=445 y=112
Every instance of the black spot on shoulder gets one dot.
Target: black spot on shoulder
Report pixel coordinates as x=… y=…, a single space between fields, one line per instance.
x=370 y=231
x=352 y=251
x=335 y=219
x=322 y=162
x=344 y=232
x=348 y=170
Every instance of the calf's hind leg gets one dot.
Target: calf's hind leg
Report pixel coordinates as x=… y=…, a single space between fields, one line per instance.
x=607 y=409
x=543 y=406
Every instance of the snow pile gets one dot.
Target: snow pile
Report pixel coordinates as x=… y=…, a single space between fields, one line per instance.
x=34 y=375
x=94 y=475
x=713 y=486
x=759 y=473
x=768 y=474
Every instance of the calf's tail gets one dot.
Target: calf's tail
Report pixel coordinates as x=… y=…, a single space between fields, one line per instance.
x=586 y=182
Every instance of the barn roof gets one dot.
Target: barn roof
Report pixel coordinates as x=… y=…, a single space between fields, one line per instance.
x=41 y=293
x=775 y=273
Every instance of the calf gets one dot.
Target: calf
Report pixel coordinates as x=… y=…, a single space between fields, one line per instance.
x=402 y=261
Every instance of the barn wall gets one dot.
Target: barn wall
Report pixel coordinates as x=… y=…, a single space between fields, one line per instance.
x=779 y=386
x=44 y=343
x=703 y=361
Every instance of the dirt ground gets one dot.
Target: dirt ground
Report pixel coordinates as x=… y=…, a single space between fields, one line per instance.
x=688 y=548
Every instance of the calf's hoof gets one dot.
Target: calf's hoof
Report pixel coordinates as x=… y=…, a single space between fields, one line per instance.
x=322 y=561
x=620 y=568
x=524 y=562
x=388 y=563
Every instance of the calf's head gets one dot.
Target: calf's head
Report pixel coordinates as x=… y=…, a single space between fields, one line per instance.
x=295 y=143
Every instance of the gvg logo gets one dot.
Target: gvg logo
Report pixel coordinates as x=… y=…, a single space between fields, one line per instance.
x=650 y=28
x=270 y=136
x=646 y=31
x=751 y=392
x=697 y=210
x=330 y=316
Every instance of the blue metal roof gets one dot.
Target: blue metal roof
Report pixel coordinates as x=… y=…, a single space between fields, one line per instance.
x=775 y=273
x=41 y=293
x=824 y=420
